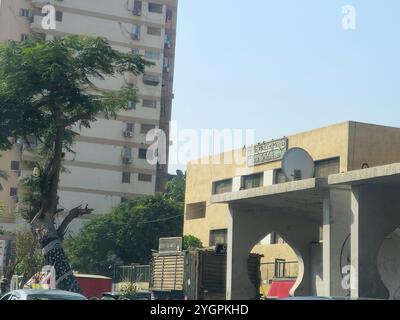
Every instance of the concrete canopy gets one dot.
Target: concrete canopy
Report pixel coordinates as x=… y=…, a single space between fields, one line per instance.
x=388 y=176
x=302 y=197
x=363 y=203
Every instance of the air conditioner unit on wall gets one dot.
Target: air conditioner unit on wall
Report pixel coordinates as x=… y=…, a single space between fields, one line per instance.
x=128 y=134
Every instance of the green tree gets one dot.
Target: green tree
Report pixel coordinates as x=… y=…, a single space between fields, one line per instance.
x=175 y=188
x=125 y=236
x=29 y=259
x=46 y=88
x=190 y=241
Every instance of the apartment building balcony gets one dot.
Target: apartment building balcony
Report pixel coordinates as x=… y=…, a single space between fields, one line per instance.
x=116 y=32
x=116 y=9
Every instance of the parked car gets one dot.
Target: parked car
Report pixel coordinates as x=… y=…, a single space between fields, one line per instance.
x=140 y=295
x=42 y=294
x=110 y=296
x=306 y=298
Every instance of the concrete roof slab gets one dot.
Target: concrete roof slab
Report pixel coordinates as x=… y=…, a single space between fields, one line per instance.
x=388 y=175
x=303 y=196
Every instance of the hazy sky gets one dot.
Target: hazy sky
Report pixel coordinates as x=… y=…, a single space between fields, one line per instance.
x=281 y=67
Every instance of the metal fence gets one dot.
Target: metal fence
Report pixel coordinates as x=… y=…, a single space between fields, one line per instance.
x=133 y=273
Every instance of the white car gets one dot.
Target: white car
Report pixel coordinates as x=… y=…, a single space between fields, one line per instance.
x=42 y=294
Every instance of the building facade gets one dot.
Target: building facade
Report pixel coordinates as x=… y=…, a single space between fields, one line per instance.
x=110 y=160
x=217 y=188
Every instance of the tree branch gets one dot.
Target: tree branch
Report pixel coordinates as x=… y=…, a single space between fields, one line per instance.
x=73 y=214
x=84 y=116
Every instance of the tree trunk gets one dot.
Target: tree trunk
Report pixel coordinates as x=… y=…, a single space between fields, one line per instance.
x=54 y=255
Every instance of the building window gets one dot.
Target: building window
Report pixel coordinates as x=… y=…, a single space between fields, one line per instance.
x=15 y=165
x=166 y=63
x=218 y=237
x=127 y=155
x=145 y=128
x=154 y=55
x=135 y=51
x=137 y=8
x=13 y=192
x=24 y=36
x=149 y=103
x=135 y=35
x=223 y=186
x=145 y=177
x=59 y=16
x=155 y=7
x=196 y=211
x=25 y=13
x=252 y=181
x=168 y=16
x=167 y=41
x=143 y=154
x=276 y=238
x=130 y=127
x=154 y=31
x=131 y=105
x=151 y=80
x=126 y=177
x=280 y=176
x=324 y=168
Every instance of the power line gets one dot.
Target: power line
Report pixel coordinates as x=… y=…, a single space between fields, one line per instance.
x=161 y=220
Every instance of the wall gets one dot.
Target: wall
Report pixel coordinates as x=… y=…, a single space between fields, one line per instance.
x=8 y=216
x=11 y=24
x=372 y=144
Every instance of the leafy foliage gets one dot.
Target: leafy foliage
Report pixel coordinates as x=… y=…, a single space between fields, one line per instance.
x=190 y=241
x=47 y=89
x=128 y=291
x=29 y=257
x=125 y=236
x=175 y=188
x=39 y=78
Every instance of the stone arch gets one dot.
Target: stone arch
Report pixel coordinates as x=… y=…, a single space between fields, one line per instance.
x=274 y=246
x=250 y=225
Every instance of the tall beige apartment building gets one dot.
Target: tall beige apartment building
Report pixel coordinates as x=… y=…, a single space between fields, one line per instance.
x=110 y=160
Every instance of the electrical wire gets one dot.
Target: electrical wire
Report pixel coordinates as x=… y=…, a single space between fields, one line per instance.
x=161 y=220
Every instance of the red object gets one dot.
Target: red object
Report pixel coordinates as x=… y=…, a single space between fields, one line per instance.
x=93 y=285
x=280 y=289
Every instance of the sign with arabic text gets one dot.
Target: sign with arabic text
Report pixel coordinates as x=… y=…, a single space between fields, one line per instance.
x=267 y=151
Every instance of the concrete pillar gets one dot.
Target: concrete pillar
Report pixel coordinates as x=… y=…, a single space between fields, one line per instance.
x=374 y=215
x=336 y=233
x=240 y=243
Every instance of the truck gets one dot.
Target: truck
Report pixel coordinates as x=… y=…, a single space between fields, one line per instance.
x=198 y=274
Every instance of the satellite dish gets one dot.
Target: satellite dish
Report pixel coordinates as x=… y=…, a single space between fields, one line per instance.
x=297 y=164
